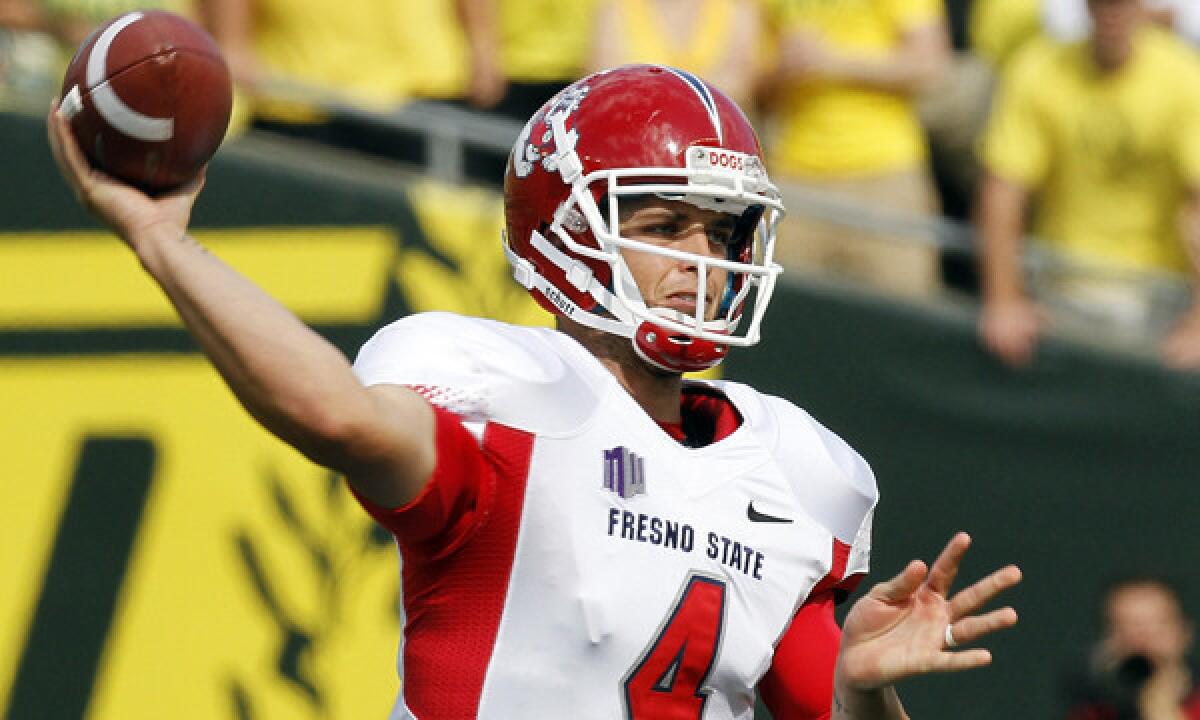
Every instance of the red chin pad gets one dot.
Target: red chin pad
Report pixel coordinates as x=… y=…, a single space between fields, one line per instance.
x=676 y=352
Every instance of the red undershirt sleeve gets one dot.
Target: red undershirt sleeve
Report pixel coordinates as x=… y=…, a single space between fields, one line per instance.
x=799 y=685
x=450 y=504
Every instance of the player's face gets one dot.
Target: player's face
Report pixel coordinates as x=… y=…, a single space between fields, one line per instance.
x=670 y=282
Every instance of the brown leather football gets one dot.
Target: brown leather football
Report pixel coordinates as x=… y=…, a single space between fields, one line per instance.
x=148 y=96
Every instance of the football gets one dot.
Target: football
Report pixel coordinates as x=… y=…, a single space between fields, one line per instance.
x=148 y=96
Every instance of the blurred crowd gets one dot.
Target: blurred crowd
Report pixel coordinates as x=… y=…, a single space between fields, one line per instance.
x=1074 y=122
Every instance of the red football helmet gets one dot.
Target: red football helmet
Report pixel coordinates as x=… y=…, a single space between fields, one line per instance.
x=640 y=130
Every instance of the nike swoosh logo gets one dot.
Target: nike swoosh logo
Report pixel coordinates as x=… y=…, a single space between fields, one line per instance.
x=756 y=516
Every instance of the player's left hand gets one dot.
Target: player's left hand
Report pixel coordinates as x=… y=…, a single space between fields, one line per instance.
x=898 y=629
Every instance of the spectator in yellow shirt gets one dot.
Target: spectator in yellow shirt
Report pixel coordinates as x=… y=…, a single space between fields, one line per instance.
x=955 y=111
x=297 y=63
x=718 y=40
x=845 y=123
x=522 y=52
x=998 y=28
x=71 y=21
x=1106 y=134
x=20 y=15
x=294 y=55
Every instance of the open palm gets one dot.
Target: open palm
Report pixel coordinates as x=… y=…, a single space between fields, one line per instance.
x=898 y=629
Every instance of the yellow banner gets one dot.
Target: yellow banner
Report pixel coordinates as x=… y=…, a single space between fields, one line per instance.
x=253 y=585
x=79 y=280
x=244 y=554
x=161 y=554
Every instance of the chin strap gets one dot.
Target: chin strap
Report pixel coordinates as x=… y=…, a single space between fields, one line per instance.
x=529 y=278
x=676 y=353
x=654 y=344
x=661 y=347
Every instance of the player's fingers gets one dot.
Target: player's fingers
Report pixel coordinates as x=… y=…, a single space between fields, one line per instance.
x=962 y=660
x=53 y=135
x=903 y=585
x=977 y=595
x=970 y=629
x=945 y=568
x=67 y=153
x=189 y=190
x=197 y=183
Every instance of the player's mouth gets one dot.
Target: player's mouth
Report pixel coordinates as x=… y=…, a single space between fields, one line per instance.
x=683 y=302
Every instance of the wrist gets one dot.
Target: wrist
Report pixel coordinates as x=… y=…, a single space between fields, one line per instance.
x=151 y=245
x=852 y=701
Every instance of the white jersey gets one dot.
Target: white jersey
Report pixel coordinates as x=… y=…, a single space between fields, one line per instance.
x=609 y=571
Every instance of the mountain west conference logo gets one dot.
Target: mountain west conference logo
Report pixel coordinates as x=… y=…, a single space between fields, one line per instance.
x=624 y=472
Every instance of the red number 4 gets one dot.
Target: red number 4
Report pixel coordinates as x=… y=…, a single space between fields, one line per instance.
x=668 y=683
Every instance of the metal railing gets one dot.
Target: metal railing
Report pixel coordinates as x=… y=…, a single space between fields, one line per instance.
x=449 y=132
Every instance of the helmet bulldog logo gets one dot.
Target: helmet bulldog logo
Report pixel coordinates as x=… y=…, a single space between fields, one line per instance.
x=545 y=151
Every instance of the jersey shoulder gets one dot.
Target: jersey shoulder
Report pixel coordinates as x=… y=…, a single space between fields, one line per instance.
x=832 y=481
x=533 y=379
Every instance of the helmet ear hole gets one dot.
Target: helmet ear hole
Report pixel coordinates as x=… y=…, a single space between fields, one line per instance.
x=574 y=222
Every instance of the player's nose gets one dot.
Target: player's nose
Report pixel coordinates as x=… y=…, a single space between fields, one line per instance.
x=695 y=239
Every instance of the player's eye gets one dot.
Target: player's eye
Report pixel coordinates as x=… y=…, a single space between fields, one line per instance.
x=722 y=236
x=664 y=229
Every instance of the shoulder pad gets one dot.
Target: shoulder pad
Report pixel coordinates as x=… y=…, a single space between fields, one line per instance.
x=533 y=379
x=832 y=482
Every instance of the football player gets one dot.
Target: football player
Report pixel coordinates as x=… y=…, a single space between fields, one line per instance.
x=582 y=532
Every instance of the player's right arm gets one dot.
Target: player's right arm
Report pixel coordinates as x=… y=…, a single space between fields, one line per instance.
x=294 y=382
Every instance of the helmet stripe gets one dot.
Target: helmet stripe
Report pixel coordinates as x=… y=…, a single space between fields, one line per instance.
x=701 y=89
